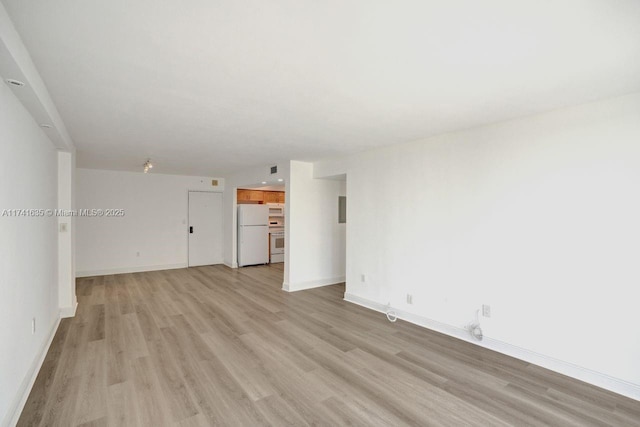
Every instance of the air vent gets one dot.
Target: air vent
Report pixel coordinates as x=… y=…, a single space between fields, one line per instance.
x=274 y=169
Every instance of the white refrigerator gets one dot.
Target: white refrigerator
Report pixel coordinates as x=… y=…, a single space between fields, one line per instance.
x=253 y=234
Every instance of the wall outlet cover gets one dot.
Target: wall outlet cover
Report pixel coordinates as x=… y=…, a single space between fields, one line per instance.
x=486 y=310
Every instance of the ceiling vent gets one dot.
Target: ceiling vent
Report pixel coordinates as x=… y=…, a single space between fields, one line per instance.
x=274 y=169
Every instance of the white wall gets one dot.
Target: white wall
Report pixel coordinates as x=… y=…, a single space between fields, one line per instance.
x=316 y=242
x=537 y=217
x=154 y=224
x=28 y=253
x=66 y=239
x=331 y=168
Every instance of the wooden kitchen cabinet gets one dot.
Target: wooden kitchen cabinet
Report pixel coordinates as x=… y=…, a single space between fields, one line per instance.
x=271 y=197
x=258 y=196
x=274 y=196
x=254 y=196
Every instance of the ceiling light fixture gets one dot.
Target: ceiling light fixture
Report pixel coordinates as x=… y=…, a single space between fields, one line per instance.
x=264 y=182
x=280 y=179
x=147 y=165
x=14 y=82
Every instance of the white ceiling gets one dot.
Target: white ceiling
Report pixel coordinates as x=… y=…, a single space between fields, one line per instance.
x=210 y=87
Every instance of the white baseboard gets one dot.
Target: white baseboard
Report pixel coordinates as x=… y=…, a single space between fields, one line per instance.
x=130 y=270
x=301 y=286
x=231 y=265
x=68 y=311
x=598 y=379
x=11 y=418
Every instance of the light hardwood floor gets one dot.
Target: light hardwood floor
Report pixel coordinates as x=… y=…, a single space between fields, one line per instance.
x=215 y=346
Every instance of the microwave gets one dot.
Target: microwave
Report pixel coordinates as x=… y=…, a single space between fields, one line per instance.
x=276 y=209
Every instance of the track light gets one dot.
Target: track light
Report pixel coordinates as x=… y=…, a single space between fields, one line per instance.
x=147 y=165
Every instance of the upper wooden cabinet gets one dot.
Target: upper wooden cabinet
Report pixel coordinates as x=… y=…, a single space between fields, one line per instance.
x=250 y=196
x=258 y=196
x=269 y=197
x=272 y=196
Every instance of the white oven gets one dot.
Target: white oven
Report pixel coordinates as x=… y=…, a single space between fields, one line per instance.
x=277 y=246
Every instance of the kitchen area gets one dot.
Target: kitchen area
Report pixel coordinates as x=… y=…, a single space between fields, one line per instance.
x=261 y=226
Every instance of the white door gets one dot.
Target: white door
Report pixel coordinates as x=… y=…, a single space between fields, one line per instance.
x=205 y=228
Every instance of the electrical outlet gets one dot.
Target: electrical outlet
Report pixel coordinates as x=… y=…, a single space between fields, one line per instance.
x=363 y=278
x=409 y=299
x=486 y=310
x=33 y=326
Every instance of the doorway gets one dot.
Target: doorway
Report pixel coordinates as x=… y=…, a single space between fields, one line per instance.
x=271 y=196
x=205 y=228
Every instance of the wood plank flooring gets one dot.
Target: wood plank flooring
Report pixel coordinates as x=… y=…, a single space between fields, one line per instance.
x=216 y=346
